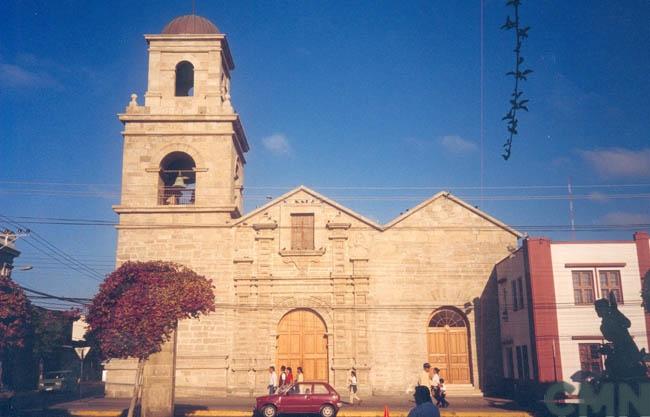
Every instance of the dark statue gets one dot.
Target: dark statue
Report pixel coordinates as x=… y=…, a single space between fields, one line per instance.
x=625 y=370
x=623 y=360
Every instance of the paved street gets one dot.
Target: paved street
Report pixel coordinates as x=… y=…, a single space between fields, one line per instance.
x=398 y=406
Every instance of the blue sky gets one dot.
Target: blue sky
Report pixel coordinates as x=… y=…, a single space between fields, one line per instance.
x=374 y=104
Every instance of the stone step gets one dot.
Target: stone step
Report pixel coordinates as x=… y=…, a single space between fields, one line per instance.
x=463 y=390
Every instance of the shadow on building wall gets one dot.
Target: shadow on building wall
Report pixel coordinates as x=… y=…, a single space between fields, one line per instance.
x=488 y=338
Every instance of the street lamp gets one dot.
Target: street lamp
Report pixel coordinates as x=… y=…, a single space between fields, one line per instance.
x=23 y=268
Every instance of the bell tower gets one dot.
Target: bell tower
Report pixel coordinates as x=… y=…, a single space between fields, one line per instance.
x=184 y=148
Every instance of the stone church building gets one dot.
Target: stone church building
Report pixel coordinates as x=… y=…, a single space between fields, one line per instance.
x=303 y=280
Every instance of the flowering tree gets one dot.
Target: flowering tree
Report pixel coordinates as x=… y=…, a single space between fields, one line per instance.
x=50 y=329
x=14 y=317
x=138 y=307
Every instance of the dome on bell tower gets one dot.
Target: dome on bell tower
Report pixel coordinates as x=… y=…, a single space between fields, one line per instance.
x=190 y=24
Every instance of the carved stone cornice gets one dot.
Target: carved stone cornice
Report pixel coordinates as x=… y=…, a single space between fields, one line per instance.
x=315 y=252
x=265 y=226
x=242 y=260
x=335 y=226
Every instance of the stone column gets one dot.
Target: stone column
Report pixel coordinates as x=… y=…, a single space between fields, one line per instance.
x=362 y=360
x=159 y=381
x=342 y=330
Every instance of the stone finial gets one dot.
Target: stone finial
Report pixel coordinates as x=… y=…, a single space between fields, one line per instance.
x=134 y=100
x=227 y=105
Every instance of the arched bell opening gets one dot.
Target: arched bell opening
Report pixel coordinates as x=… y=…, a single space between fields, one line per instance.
x=184 y=79
x=177 y=181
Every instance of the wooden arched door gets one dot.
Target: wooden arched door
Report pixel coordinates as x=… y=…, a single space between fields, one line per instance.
x=448 y=345
x=302 y=341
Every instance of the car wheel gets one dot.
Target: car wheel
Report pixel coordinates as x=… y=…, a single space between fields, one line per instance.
x=327 y=411
x=269 y=411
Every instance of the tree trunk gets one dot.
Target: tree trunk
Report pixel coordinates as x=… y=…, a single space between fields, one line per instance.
x=136 y=387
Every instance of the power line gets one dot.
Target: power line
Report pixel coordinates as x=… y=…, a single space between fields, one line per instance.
x=81 y=301
x=42 y=245
x=520 y=227
x=66 y=256
x=353 y=187
x=515 y=197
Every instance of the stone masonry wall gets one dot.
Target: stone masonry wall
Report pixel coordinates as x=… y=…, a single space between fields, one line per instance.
x=375 y=290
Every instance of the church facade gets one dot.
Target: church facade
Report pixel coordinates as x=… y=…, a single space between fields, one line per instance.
x=303 y=280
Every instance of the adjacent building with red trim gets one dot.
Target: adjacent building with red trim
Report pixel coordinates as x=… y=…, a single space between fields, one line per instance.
x=549 y=329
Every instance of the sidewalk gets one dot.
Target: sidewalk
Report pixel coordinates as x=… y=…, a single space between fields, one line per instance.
x=242 y=407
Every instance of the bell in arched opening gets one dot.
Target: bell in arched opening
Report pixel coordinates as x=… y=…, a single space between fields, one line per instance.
x=177 y=184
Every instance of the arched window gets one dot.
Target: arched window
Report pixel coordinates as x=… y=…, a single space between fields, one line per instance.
x=177 y=184
x=184 y=79
x=447 y=317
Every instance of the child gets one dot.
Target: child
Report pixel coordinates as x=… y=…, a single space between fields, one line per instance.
x=442 y=395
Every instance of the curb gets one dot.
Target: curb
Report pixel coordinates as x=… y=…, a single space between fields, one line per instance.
x=342 y=413
x=95 y=413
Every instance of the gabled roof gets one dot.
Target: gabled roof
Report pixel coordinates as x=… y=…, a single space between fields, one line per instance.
x=442 y=194
x=313 y=193
x=451 y=197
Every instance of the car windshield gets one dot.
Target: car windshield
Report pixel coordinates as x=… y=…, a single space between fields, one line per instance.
x=285 y=389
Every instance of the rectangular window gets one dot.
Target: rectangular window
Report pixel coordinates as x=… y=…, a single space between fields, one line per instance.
x=302 y=231
x=515 y=306
x=520 y=292
x=524 y=360
x=520 y=369
x=583 y=287
x=610 y=282
x=510 y=364
x=590 y=359
x=504 y=313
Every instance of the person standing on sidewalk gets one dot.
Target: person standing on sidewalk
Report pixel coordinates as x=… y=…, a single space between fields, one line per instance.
x=352 y=380
x=424 y=407
x=273 y=380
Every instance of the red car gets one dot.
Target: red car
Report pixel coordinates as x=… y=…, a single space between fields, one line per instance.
x=301 y=398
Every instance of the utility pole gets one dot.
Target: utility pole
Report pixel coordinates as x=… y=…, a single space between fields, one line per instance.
x=8 y=250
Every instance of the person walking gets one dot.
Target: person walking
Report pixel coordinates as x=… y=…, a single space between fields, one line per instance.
x=424 y=379
x=352 y=380
x=273 y=380
x=300 y=378
x=283 y=376
x=424 y=406
x=435 y=384
x=289 y=375
x=442 y=395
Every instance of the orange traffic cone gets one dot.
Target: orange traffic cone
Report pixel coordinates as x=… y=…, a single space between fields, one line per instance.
x=386 y=414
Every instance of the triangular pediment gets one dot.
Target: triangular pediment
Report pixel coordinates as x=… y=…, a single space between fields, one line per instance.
x=455 y=200
x=302 y=192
